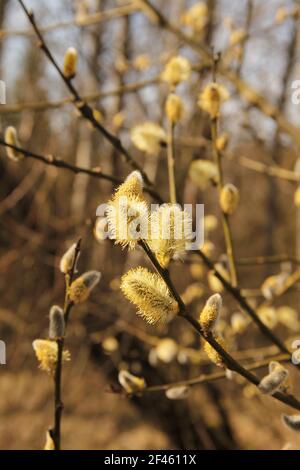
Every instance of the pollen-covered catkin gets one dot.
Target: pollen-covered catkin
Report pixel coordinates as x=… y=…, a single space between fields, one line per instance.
x=67 y=260
x=127 y=212
x=11 y=138
x=56 y=322
x=292 y=421
x=211 y=352
x=210 y=313
x=212 y=98
x=271 y=382
x=80 y=289
x=70 y=62
x=174 y=108
x=229 y=199
x=149 y=294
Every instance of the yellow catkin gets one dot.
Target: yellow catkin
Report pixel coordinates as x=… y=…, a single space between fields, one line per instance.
x=148 y=292
x=210 y=313
x=130 y=382
x=196 y=17
x=177 y=69
x=166 y=350
x=110 y=344
x=212 y=98
x=127 y=212
x=80 y=289
x=11 y=138
x=141 y=62
x=70 y=62
x=212 y=354
x=170 y=232
x=46 y=353
x=203 y=173
x=148 y=137
x=229 y=199
x=174 y=108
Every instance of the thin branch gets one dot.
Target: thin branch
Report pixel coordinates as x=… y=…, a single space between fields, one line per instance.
x=45 y=105
x=205 y=378
x=59 y=163
x=79 y=21
x=58 y=405
x=242 y=87
x=225 y=218
x=235 y=292
x=228 y=360
x=85 y=110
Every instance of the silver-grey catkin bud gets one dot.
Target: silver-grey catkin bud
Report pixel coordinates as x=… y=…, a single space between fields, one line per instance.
x=292 y=421
x=271 y=382
x=56 y=323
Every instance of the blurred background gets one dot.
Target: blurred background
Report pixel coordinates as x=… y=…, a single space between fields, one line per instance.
x=122 y=51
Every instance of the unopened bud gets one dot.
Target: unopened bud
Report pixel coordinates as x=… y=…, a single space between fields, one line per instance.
x=178 y=393
x=229 y=198
x=11 y=138
x=174 y=108
x=70 y=62
x=56 y=323
x=271 y=382
x=67 y=260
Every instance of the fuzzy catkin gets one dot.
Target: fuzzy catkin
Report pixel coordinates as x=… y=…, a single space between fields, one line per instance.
x=70 y=62
x=127 y=212
x=271 y=382
x=11 y=138
x=212 y=354
x=229 y=199
x=149 y=294
x=80 y=289
x=67 y=260
x=56 y=322
x=210 y=313
x=174 y=108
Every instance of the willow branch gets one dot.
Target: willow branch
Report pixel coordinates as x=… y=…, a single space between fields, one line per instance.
x=206 y=378
x=80 y=21
x=59 y=163
x=58 y=405
x=228 y=360
x=45 y=105
x=85 y=110
x=245 y=90
x=225 y=218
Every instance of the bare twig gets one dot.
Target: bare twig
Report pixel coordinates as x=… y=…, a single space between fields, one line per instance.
x=229 y=361
x=85 y=110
